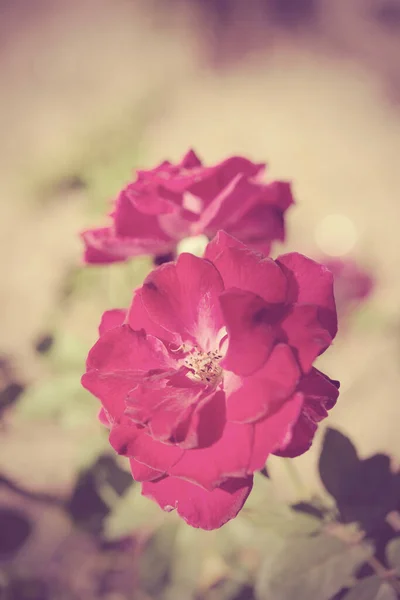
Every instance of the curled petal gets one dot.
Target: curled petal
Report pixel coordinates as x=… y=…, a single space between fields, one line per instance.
x=220 y=242
x=306 y=334
x=142 y=472
x=260 y=394
x=311 y=283
x=162 y=406
x=103 y=246
x=184 y=298
x=132 y=221
x=134 y=442
x=246 y=270
x=139 y=318
x=228 y=457
x=112 y=318
x=273 y=431
x=118 y=362
x=250 y=326
x=197 y=506
x=320 y=395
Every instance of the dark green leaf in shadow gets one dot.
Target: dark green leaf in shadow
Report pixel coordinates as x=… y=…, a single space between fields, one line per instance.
x=15 y=529
x=95 y=491
x=337 y=461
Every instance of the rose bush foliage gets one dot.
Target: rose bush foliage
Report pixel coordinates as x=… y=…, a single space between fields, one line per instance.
x=210 y=370
x=172 y=202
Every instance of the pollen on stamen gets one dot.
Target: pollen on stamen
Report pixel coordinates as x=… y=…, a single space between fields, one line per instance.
x=204 y=366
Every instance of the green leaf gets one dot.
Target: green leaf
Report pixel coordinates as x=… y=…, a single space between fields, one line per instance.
x=133 y=512
x=313 y=568
x=155 y=560
x=68 y=353
x=266 y=510
x=54 y=398
x=371 y=588
x=393 y=553
x=190 y=550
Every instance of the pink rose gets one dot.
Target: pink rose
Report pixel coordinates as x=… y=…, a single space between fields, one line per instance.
x=210 y=371
x=172 y=202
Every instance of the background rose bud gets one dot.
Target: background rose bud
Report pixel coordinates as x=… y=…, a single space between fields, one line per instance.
x=172 y=202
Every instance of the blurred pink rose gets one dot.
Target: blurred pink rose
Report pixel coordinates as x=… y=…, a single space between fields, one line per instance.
x=210 y=371
x=172 y=202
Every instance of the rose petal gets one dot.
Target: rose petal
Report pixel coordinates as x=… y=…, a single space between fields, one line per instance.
x=273 y=431
x=184 y=298
x=122 y=349
x=206 y=424
x=243 y=269
x=306 y=334
x=219 y=243
x=251 y=334
x=227 y=206
x=103 y=246
x=190 y=160
x=264 y=391
x=199 y=507
x=228 y=457
x=141 y=472
x=111 y=389
x=117 y=363
x=311 y=283
x=320 y=394
x=133 y=441
x=162 y=406
x=103 y=417
x=148 y=200
x=139 y=318
x=112 y=318
x=132 y=222
x=259 y=227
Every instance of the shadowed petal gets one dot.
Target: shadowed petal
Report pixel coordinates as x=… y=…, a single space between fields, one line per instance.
x=162 y=406
x=118 y=362
x=228 y=457
x=320 y=395
x=122 y=349
x=141 y=472
x=219 y=243
x=311 y=283
x=306 y=334
x=250 y=328
x=246 y=270
x=139 y=318
x=103 y=246
x=133 y=441
x=199 y=507
x=262 y=393
x=183 y=298
x=273 y=431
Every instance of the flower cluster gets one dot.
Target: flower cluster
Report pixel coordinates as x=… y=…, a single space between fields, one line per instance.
x=173 y=202
x=210 y=370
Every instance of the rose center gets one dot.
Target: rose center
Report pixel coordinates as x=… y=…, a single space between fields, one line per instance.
x=204 y=366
